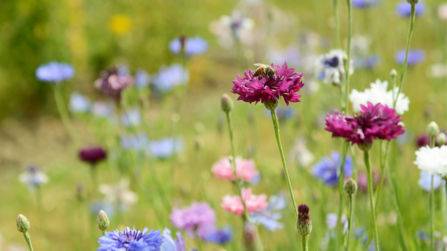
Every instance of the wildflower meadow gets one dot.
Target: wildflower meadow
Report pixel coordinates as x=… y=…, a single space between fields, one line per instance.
x=217 y=125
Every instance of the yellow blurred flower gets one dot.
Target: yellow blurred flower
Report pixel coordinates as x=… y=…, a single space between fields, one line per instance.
x=120 y=24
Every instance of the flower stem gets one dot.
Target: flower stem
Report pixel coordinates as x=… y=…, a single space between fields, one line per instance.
x=63 y=113
x=404 y=65
x=350 y=217
x=432 y=205
x=371 y=198
x=348 y=54
x=305 y=243
x=103 y=232
x=337 y=29
x=286 y=172
x=28 y=240
x=400 y=223
x=342 y=192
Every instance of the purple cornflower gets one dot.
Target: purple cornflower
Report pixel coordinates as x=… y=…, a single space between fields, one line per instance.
x=414 y=56
x=270 y=216
x=54 y=72
x=327 y=169
x=192 y=46
x=170 y=77
x=112 y=83
x=170 y=244
x=219 y=236
x=363 y=3
x=284 y=83
x=166 y=147
x=131 y=240
x=195 y=220
x=92 y=155
x=373 y=122
x=404 y=9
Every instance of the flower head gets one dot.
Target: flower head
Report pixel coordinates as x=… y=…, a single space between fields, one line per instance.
x=373 y=122
x=253 y=202
x=367 y=62
x=378 y=94
x=192 y=46
x=330 y=67
x=131 y=117
x=54 y=72
x=142 y=78
x=425 y=181
x=79 y=103
x=432 y=160
x=403 y=9
x=170 y=244
x=415 y=56
x=219 y=236
x=92 y=155
x=119 y=193
x=195 y=220
x=304 y=224
x=229 y=28
x=170 y=77
x=363 y=3
x=22 y=223
x=131 y=240
x=112 y=83
x=269 y=217
x=245 y=169
x=327 y=169
x=283 y=83
x=33 y=177
x=166 y=147
x=120 y=24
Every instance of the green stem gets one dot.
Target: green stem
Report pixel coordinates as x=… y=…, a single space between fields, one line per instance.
x=94 y=182
x=432 y=216
x=404 y=65
x=350 y=217
x=337 y=29
x=103 y=232
x=400 y=223
x=286 y=172
x=63 y=113
x=28 y=240
x=342 y=193
x=371 y=198
x=305 y=243
x=348 y=53
x=383 y=166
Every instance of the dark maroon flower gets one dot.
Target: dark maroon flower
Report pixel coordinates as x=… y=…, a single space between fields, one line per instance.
x=112 y=83
x=424 y=140
x=264 y=88
x=92 y=155
x=373 y=122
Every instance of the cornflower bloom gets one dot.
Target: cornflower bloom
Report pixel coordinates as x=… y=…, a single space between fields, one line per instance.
x=79 y=103
x=112 y=83
x=194 y=220
x=131 y=240
x=425 y=181
x=166 y=147
x=119 y=194
x=252 y=202
x=219 y=236
x=415 y=56
x=33 y=177
x=403 y=8
x=192 y=46
x=363 y=4
x=92 y=155
x=54 y=72
x=269 y=217
x=245 y=169
x=330 y=67
x=327 y=169
x=432 y=160
x=170 y=77
x=170 y=244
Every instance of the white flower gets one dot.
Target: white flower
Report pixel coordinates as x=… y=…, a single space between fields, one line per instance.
x=432 y=160
x=442 y=11
x=330 y=67
x=230 y=26
x=119 y=193
x=378 y=94
x=33 y=178
x=301 y=154
x=360 y=45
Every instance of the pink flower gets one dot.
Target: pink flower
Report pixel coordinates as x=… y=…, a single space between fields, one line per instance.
x=263 y=88
x=245 y=169
x=112 y=83
x=373 y=122
x=252 y=202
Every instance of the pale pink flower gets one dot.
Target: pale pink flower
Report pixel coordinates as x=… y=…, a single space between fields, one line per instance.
x=245 y=169
x=253 y=202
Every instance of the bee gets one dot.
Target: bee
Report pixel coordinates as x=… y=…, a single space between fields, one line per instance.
x=264 y=70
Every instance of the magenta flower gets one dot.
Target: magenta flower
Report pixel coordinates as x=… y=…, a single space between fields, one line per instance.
x=264 y=88
x=112 y=83
x=373 y=122
x=92 y=155
x=253 y=202
x=196 y=220
x=245 y=169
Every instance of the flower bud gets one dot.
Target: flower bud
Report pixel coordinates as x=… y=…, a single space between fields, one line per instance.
x=22 y=224
x=271 y=105
x=304 y=224
x=433 y=129
x=441 y=139
x=226 y=103
x=102 y=221
x=350 y=186
x=412 y=1
x=393 y=73
x=365 y=147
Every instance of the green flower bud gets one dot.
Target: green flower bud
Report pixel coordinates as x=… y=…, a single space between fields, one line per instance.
x=433 y=129
x=350 y=186
x=441 y=139
x=102 y=221
x=365 y=147
x=393 y=73
x=226 y=103
x=304 y=224
x=22 y=224
x=271 y=105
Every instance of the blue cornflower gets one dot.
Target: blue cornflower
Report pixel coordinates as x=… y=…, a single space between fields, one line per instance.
x=54 y=72
x=425 y=181
x=142 y=78
x=404 y=9
x=138 y=142
x=131 y=118
x=423 y=236
x=79 y=103
x=170 y=244
x=33 y=177
x=283 y=113
x=367 y=62
x=165 y=148
x=415 y=56
x=192 y=46
x=170 y=77
x=131 y=240
x=219 y=236
x=363 y=3
x=269 y=216
x=327 y=168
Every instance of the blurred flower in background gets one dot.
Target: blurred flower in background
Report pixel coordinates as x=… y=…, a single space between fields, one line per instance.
x=415 y=56
x=138 y=142
x=219 y=236
x=328 y=168
x=33 y=177
x=290 y=55
x=79 y=103
x=170 y=244
x=269 y=217
x=442 y=11
x=330 y=67
x=362 y=181
x=142 y=78
x=119 y=194
x=363 y=3
x=166 y=147
x=301 y=154
x=404 y=8
x=107 y=207
x=332 y=220
x=131 y=117
x=103 y=109
x=170 y=77
x=54 y=72
x=112 y=83
x=234 y=28
x=191 y=45
x=120 y=24
x=367 y=62
x=245 y=169
x=283 y=113
x=194 y=220
x=425 y=181
x=253 y=202
x=437 y=70
x=92 y=155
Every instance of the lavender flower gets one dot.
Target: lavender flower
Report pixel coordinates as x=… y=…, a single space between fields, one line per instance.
x=363 y=3
x=219 y=236
x=425 y=181
x=328 y=168
x=195 y=220
x=269 y=216
x=131 y=118
x=142 y=78
x=170 y=244
x=33 y=177
x=404 y=9
x=170 y=77
x=112 y=83
x=166 y=147
x=79 y=103
x=54 y=72
x=415 y=56
x=131 y=240
x=192 y=46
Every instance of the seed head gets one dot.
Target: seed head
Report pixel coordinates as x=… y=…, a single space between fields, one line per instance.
x=22 y=224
